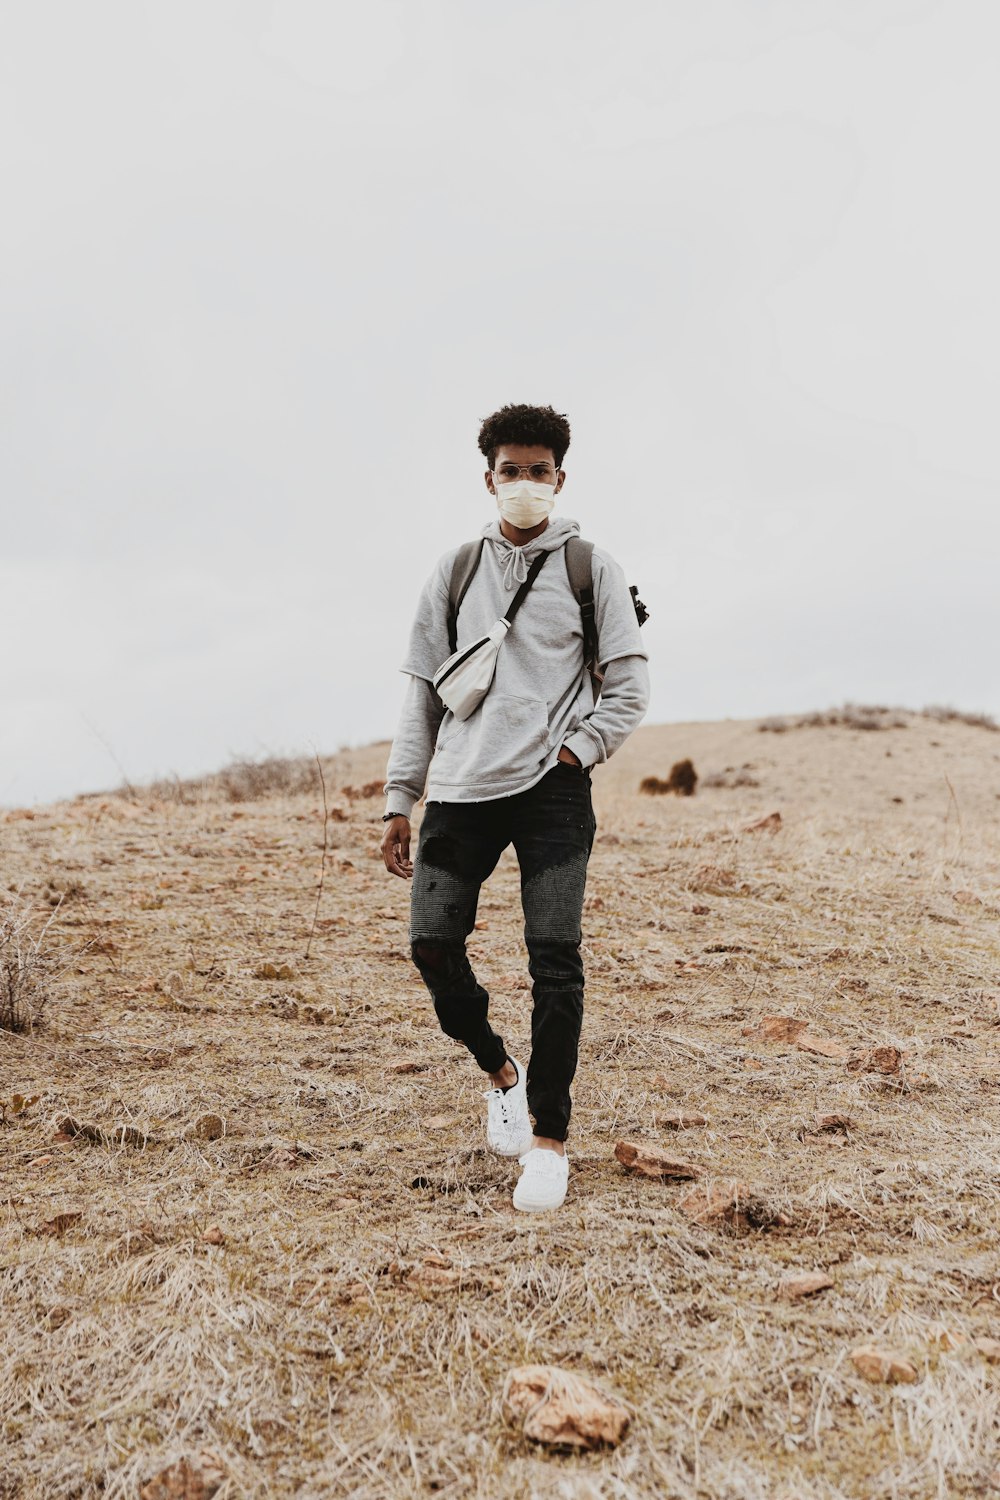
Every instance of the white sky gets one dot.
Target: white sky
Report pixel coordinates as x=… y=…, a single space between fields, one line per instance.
x=265 y=266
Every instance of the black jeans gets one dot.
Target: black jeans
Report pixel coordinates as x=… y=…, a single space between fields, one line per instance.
x=551 y=827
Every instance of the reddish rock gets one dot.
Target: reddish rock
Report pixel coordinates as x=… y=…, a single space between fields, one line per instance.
x=196 y=1478
x=562 y=1410
x=776 y=1028
x=831 y=1123
x=882 y=1059
x=821 y=1046
x=681 y=1119
x=648 y=1161
x=887 y=1366
x=770 y=824
x=717 y=1202
x=803 y=1284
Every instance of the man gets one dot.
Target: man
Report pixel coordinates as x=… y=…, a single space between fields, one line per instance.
x=516 y=771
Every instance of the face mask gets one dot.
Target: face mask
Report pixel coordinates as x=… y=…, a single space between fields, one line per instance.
x=524 y=504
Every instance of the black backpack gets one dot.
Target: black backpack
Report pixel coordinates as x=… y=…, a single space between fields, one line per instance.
x=579 y=570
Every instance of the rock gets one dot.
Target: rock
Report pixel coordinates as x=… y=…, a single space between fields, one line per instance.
x=680 y=1119
x=208 y=1128
x=831 y=1123
x=173 y=985
x=197 y=1478
x=648 y=1161
x=776 y=1028
x=213 y=1235
x=714 y=879
x=988 y=1348
x=561 y=1409
x=441 y=1122
x=876 y=1362
x=821 y=1046
x=714 y=1202
x=770 y=824
x=882 y=1059
x=803 y=1284
x=408 y=1065
x=268 y=970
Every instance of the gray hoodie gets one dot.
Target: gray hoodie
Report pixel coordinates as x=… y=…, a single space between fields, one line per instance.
x=541 y=697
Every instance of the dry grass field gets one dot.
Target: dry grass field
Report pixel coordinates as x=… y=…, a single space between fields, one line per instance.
x=247 y=1206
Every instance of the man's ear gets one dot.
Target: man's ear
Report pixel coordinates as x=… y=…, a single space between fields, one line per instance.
x=560 y=480
x=489 y=482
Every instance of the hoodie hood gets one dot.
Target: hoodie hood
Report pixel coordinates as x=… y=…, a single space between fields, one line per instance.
x=515 y=561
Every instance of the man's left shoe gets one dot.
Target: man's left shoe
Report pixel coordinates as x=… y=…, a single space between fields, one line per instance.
x=542 y=1184
x=508 y=1124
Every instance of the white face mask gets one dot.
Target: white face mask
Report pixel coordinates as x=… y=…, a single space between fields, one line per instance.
x=525 y=504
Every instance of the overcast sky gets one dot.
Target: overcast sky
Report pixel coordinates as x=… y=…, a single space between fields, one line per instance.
x=265 y=266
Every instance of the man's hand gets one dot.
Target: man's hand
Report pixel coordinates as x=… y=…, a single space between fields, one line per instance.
x=569 y=757
x=396 y=848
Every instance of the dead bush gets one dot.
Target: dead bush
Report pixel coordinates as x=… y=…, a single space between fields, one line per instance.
x=946 y=715
x=23 y=966
x=682 y=780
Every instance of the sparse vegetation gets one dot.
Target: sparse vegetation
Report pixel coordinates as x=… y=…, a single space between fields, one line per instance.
x=251 y=1228
x=23 y=966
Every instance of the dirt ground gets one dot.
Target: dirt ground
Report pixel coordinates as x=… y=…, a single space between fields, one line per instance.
x=250 y=1210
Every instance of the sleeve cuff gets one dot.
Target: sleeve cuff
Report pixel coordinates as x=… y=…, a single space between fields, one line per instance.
x=399 y=802
x=583 y=747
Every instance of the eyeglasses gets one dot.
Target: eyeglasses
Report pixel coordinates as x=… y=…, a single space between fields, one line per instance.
x=540 y=473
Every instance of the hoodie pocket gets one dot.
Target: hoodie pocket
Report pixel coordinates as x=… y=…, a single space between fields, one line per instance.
x=504 y=740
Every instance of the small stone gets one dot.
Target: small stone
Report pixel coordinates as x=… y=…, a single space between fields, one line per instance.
x=803 y=1284
x=213 y=1235
x=821 y=1046
x=209 y=1128
x=173 y=985
x=562 y=1410
x=887 y=1366
x=266 y=970
x=770 y=824
x=716 y=1203
x=197 y=1478
x=988 y=1348
x=883 y=1059
x=680 y=1119
x=833 y=1123
x=441 y=1122
x=648 y=1161
x=408 y=1065
x=776 y=1028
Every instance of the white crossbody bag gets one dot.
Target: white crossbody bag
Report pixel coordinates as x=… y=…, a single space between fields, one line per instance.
x=463 y=681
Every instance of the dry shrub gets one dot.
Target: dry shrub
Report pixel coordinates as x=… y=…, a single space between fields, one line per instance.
x=682 y=780
x=23 y=964
x=946 y=715
x=850 y=716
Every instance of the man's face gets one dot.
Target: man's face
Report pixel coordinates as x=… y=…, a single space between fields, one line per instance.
x=524 y=461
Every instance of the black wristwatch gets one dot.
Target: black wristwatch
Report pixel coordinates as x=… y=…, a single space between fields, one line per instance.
x=388 y=817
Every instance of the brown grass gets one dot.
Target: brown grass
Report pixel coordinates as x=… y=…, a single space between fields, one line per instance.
x=327 y=1284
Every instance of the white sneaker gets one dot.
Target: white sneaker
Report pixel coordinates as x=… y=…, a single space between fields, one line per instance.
x=508 y=1126
x=542 y=1184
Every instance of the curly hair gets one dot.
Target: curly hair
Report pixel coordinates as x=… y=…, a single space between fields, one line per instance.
x=534 y=426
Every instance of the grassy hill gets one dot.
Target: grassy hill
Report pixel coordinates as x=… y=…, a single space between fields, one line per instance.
x=248 y=1207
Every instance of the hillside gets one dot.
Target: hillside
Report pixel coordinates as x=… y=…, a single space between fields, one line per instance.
x=248 y=1207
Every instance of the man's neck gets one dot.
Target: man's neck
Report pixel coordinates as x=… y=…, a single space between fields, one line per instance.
x=515 y=535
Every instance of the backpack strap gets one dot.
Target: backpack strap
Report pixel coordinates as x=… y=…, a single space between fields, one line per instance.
x=463 y=571
x=580 y=571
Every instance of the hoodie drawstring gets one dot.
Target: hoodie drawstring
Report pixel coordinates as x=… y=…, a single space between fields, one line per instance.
x=515 y=570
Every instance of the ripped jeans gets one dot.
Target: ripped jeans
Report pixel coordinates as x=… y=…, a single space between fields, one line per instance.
x=552 y=827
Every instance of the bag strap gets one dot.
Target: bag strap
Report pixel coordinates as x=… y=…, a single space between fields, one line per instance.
x=580 y=571
x=463 y=571
x=522 y=593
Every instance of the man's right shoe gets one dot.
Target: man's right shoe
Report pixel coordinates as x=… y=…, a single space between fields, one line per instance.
x=542 y=1184
x=508 y=1124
